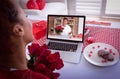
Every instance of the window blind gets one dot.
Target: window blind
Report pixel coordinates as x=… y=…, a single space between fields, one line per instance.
x=88 y=7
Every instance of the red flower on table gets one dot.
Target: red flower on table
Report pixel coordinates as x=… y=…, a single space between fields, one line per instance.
x=43 y=61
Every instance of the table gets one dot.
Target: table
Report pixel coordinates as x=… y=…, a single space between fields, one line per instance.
x=85 y=70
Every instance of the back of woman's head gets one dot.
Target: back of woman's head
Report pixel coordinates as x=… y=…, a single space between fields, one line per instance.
x=8 y=18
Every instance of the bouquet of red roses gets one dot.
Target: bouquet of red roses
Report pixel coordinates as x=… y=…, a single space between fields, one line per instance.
x=43 y=61
x=59 y=29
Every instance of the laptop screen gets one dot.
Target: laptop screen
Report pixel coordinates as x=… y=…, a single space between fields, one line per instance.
x=66 y=27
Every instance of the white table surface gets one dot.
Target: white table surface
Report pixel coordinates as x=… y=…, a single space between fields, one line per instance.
x=86 y=70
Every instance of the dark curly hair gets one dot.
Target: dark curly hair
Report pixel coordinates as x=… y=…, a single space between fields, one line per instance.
x=8 y=18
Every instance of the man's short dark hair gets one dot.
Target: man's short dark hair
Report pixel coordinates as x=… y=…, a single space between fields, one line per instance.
x=65 y=19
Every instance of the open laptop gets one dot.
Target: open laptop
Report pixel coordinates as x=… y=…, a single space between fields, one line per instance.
x=65 y=34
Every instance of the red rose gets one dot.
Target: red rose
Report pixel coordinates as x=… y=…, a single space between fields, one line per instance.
x=40 y=67
x=50 y=58
x=55 y=75
x=57 y=55
x=45 y=46
x=56 y=65
x=52 y=66
x=33 y=48
x=59 y=64
x=47 y=52
x=40 y=59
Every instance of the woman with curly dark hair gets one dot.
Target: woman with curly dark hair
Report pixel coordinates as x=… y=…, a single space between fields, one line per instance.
x=15 y=34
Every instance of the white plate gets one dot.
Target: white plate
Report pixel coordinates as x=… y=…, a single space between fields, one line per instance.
x=91 y=54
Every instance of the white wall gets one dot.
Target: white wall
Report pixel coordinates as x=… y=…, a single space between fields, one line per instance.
x=113 y=7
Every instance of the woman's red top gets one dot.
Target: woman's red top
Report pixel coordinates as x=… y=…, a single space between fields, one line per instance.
x=21 y=74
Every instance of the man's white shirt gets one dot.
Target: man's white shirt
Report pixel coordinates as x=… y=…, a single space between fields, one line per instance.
x=66 y=30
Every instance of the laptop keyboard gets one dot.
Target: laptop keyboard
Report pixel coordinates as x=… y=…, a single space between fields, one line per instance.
x=62 y=46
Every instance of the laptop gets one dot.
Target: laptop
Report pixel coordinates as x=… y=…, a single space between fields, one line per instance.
x=65 y=34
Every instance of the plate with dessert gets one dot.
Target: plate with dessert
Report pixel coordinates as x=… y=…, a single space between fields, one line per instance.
x=101 y=54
